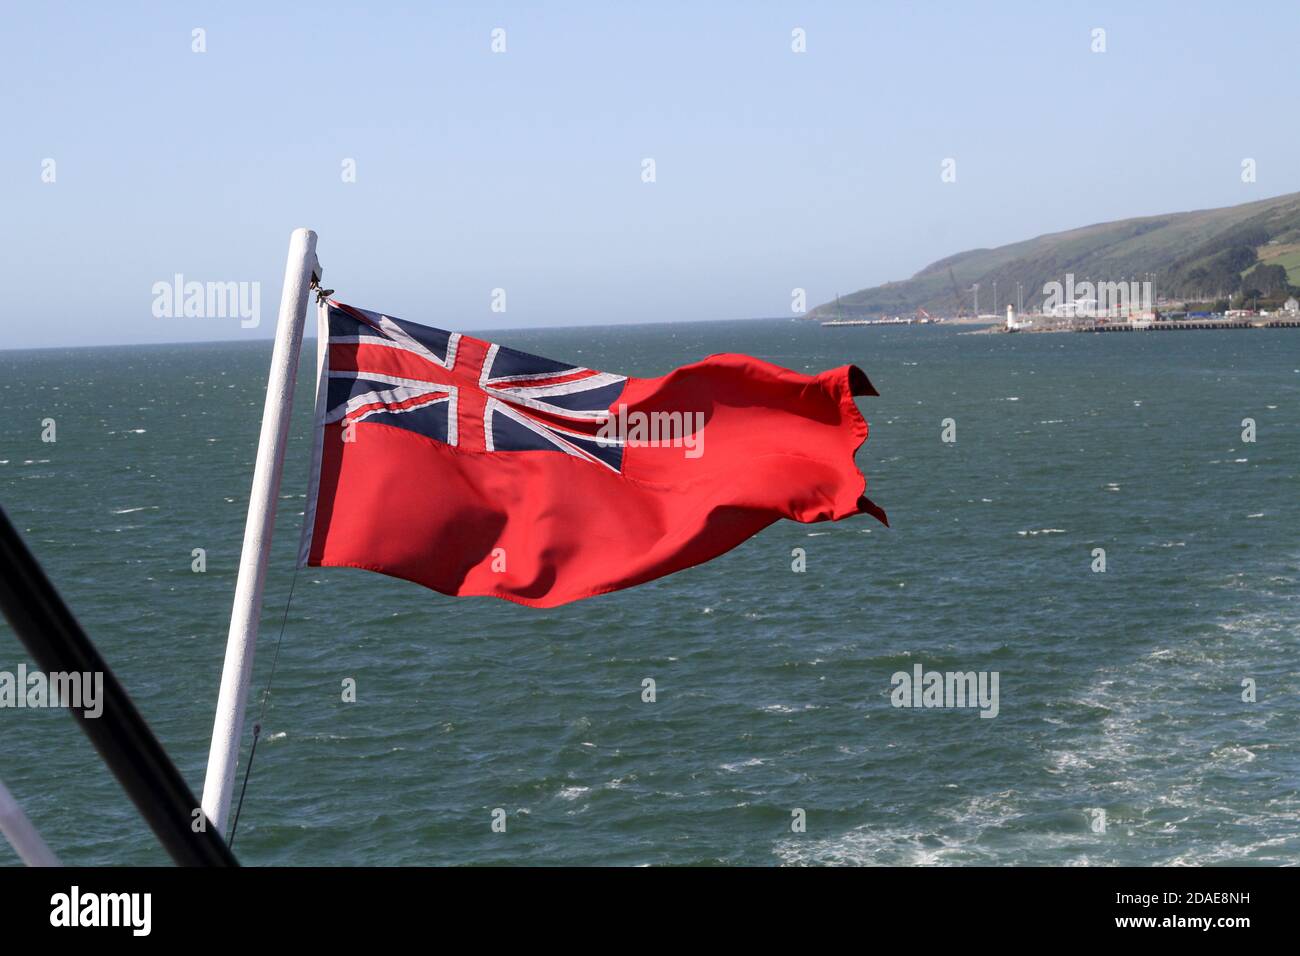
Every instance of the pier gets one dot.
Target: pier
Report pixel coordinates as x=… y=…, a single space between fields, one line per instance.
x=1183 y=325
x=849 y=323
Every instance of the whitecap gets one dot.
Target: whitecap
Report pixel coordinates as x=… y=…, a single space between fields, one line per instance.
x=743 y=764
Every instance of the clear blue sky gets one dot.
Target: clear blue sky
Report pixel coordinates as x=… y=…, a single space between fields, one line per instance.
x=522 y=170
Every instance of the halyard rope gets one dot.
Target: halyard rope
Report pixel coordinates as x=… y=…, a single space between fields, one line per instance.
x=266 y=696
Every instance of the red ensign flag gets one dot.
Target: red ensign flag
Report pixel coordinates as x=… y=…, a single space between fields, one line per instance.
x=475 y=469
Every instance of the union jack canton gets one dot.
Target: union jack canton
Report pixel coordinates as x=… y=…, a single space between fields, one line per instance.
x=464 y=392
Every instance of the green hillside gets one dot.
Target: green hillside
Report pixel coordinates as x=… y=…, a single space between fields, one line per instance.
x=1204 y=255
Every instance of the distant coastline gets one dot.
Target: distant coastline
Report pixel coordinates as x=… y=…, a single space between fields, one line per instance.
x=1234 y=258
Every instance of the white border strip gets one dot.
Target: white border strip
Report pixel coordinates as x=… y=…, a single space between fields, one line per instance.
x=318 y=431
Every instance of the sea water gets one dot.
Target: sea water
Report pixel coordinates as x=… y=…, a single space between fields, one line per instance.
x=1123 y=732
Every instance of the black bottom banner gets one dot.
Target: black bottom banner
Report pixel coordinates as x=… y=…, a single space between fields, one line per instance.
x=335 y=905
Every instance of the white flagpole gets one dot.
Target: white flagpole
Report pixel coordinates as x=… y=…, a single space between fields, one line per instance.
x=228 y=728
x=22 y=834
